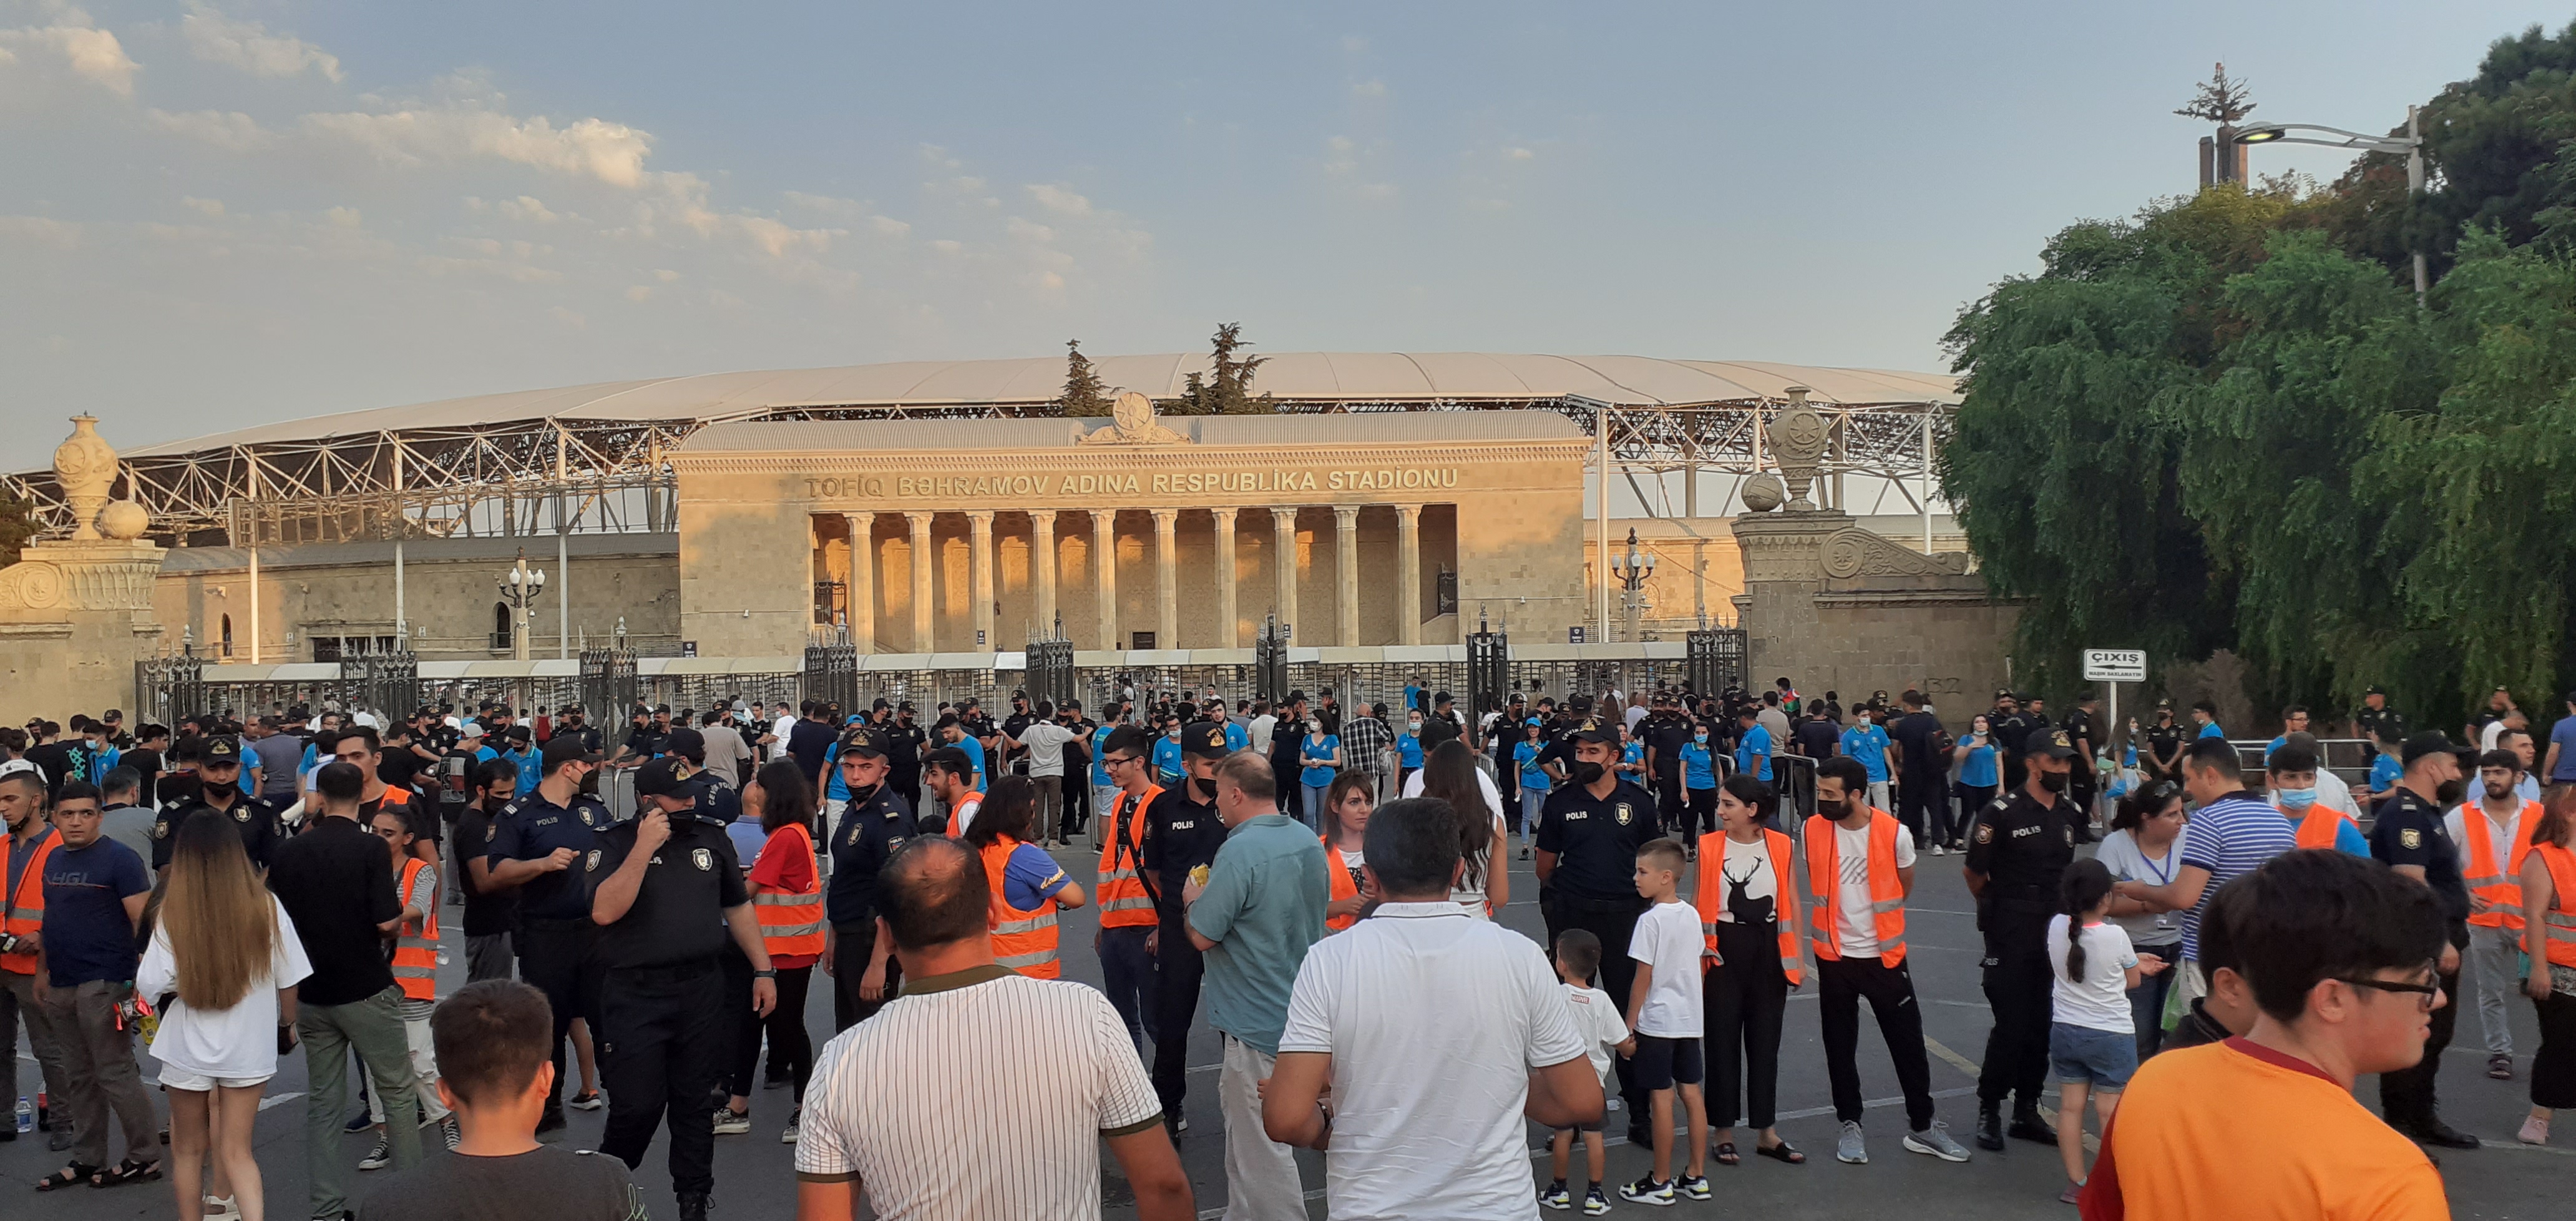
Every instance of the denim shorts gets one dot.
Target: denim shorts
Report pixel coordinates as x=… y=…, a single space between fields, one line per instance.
x=2100 y=1058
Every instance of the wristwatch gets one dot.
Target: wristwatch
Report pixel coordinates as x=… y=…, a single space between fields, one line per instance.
x=764 y=973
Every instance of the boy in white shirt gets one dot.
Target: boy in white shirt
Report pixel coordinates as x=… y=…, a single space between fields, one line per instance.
x=1664 y=1011
x=1596 y=1018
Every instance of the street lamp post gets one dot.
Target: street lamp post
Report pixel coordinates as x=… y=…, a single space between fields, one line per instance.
x=1632 y=570
x=519 y=590
x=2411 y=144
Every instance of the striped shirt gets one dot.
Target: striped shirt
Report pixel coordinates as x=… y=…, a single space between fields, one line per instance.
x=2229 y=837
x=979 y=1094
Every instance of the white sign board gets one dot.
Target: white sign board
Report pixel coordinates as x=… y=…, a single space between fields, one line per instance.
x=2115 y=665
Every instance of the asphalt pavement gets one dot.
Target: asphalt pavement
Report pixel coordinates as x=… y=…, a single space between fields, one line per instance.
x=755 y=1173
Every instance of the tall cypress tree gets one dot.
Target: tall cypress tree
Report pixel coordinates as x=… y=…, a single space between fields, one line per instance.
x=1083 y=395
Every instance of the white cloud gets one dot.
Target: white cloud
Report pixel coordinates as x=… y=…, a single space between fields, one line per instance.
x=528 y=208
x=889 y=226
x=639 y=292
x=569 y=318
x=62 y=235
x=343 y=218
x=211 y=207
x=230 y=130
x=249 y=46
x=666 y=275
x=91 y=53
x=612 y=153
x=1520 y=154
x=1057 y=199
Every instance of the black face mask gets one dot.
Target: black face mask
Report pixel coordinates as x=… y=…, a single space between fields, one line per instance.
x=1206 y=789
x=1587 y=774
x=590 y=782
x=2055 y=782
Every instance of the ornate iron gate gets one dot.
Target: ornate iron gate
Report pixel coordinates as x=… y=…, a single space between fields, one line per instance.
x=832 y=675
x=168 y=688
x=1489 y=670
x=1049 y=676
x=1716 y=660
x=1270 y=662
x=608 y=684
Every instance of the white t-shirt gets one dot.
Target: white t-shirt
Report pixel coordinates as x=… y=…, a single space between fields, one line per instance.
x=2101 y=1000
x=1667 y=938
x=1427 y=1123
x=1747 y=870
x=964 y=815
x=1858 y=924
x=1484 y=783
x=240 y=1042
x=1045 y=740
x=2336 y=792
x=1256 y=735
x=2128 y=862
x=2490 y=735
x=1596 y=1018
x=781 y=728
x=2500 y=833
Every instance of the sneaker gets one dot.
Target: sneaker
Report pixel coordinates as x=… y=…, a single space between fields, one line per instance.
x=357 y=1123
x=379 y=1157
x=693 y=1206
x=1693 y=1185
x=775 y=1083
x=2074 y=1193
x=730 y=1122
x=1555 y=1196
x=2535 y=1131
x=588 y=1100
x=552 y=1120
x=448 y=1132
x=2500 y=1067
x=1595 y=1203
x=1180 y=1123
x=794 y=1118
x=1849 y=1147
x=220 y=1207
x=1935 y=1140
x=1647 y=1191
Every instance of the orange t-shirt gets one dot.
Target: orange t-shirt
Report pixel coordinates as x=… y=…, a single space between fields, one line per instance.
x=2240 y=1131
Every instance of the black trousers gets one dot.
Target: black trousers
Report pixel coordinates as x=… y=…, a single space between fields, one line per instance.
x=741 y=1027
x=661 y=1048
x=1178 y=971
x=2553 y=1070
x=1611 y=920
x=1923 y=803
x=2019 y=990
x=555 y=958
x=1841 y=983
x=1701 y=817
x=1670 y=801
x=851 y=944
x=2406 y=1096
x=1743 y=999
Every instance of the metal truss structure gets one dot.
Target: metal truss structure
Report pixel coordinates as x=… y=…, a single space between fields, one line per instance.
x=541 y=476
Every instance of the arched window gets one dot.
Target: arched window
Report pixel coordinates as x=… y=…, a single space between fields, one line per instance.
x=228 y=635
x=501 y=625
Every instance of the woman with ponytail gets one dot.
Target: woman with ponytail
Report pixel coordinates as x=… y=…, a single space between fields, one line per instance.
x=2092 y=1041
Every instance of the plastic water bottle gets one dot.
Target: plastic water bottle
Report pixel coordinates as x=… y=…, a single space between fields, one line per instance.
x=26 y=1115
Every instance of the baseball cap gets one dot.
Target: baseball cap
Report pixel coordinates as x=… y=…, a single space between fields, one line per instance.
x=565 y=748
x=2429 y=742
x=2050 y=742
x=2373 y=689
x=688 y=744
x=472 y=729
x=1204 y=739
x=864 y=740
x=220 y=750
x=660 y=776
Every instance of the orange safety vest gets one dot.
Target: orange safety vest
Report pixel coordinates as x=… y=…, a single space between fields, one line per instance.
x=1024 y=939
x=1886 y=890
x=1124 y=902
x=792 y=923
x=416 y=950
x=2319 y=826
x=26 y=900
x=2561 y=916
x=2501 y=888
x=1711 y=899
x=1343 y=887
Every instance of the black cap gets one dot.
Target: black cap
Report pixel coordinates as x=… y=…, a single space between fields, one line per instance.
x=220 y=750
x=518 y=734
x=1596 y=734
x=2003 y=693
x=2429 y=742
x=865 y=740
x=2050 y=742
x=1204 y=739
x=688 y=744
x=660 y=776
x=565 y=748
x=2373 y=689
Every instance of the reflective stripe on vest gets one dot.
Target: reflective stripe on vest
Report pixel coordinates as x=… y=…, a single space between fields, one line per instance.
x=792 y=923
x=2500 y=887
x=1024 y=939
x=2560 y=920
x=26 y=901
x=1124 y=902
x=1711 y=897
x=1886 y=889
x=416 y=952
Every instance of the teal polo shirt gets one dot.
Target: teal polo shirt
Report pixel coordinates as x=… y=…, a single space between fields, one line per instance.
x=1264 y=904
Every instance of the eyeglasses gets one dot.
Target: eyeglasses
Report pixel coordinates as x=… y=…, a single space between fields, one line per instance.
x=2430 y=992
x=1120 y=760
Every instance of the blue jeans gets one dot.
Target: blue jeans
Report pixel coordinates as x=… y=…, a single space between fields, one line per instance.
x=2082 y=1055
x=1532 y=801
x=2147 y=1000
x=1315 y=803
x=1127 y=975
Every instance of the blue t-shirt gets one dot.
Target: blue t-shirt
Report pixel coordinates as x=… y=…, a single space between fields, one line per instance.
x=1977 y=771
x=86 y=931
x=2210 y=730
x=1532 y=776
x=1412 y=696
x=748 y=839
x=2273 y=745
x=1868 y=743
x=1318 y=777
x=1753 y=753
x=1099 y=747
x=1633 y=754
x=834 y=787
x=1167 y=761
x=2563 y=736
x=1408 y=749
x=2349 y=839
x=1235 y=738
x=1698 y=770
x=1031 y=877
x=975 y=756
x=2385 y=772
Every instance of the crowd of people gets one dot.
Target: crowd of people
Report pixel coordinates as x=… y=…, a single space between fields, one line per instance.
x=1294 y=872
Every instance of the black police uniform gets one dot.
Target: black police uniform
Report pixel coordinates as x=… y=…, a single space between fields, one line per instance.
x=1182 y=833
x=2408 y=830
x=2009 y=730
x=2386 y=723
x=262 y=830
x=1666 y=732
x=664 y=1023
x=2022 y=845
x=2080 y=786
x=1594 y=884
x=871 y=828
x=2164 y=739
x=555 y=929
x=904 y=742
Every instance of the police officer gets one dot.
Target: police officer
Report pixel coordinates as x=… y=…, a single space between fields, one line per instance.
x=2165 y=741
x=667 y=894
x=2010 y=726
x=873 y=824
x=2019 y=849
x=219 y=789
x=540 y=845
x=2086 y=737
x=1588 y=835
x=2375 y=719
x=1182 y=834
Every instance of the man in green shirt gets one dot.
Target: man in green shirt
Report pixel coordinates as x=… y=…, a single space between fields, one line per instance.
x=1261 y=906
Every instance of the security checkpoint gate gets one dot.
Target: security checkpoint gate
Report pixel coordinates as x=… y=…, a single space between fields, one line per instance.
x=1716 y=660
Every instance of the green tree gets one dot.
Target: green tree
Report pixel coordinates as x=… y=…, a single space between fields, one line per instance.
x=18 y=526
x=1083 y=395
x=1227 y=387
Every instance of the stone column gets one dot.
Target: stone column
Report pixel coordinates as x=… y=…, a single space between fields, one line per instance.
x=1408 y=574
x=980 y=580
x=1104 y=553
x=863 y=581
x=1167 y=580
x=921 y=620
x=1346 y=574
x=1042 y=569
x=1224 y=520
x=1283 y=524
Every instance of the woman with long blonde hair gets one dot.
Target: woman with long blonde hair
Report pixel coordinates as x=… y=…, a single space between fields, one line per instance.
x=223 y=963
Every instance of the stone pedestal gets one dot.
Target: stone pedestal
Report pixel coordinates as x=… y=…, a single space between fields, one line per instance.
x=74 y=618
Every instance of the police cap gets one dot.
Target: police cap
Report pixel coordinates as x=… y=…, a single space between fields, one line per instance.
x=221 y=751
x=865 y=740
x=565 y=748
x=660 y=776
x=2050 y=742
x=1204 y=739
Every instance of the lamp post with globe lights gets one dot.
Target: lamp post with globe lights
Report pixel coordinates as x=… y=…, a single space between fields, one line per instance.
x=519 y=590
x=1632 y=570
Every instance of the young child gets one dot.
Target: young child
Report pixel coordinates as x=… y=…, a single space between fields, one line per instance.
x=2092 y=1041
x=1664 y=1011
x=1596 y=1016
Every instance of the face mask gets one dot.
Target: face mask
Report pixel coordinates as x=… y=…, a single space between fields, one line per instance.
x=1587 y=773
x=2297 y=799
x=590 y=783
x=2055 y=782
x=1206 y=788
x=1415 y=726
x=1701 y=737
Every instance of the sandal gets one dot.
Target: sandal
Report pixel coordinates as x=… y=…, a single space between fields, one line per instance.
x=124 y=1172
x=1725 y=1154
x=77 y=1172
x=1781 y=1153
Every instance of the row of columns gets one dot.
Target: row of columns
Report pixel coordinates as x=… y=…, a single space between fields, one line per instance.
x=1167 y=630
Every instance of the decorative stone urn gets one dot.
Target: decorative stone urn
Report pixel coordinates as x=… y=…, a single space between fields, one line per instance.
x=85 y=468
x=1797 y=438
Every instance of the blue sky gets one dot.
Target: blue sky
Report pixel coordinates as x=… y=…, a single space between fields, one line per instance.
x=245 y=210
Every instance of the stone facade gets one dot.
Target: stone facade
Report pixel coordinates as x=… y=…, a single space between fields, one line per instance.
x=76 y=613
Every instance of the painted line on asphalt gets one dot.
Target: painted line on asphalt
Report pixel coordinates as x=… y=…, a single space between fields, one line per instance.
x=1952 y=1058
x=276 y=1100
x=2519 y=1147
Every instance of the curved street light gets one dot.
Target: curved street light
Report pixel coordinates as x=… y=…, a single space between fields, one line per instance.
x=2411 y=144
